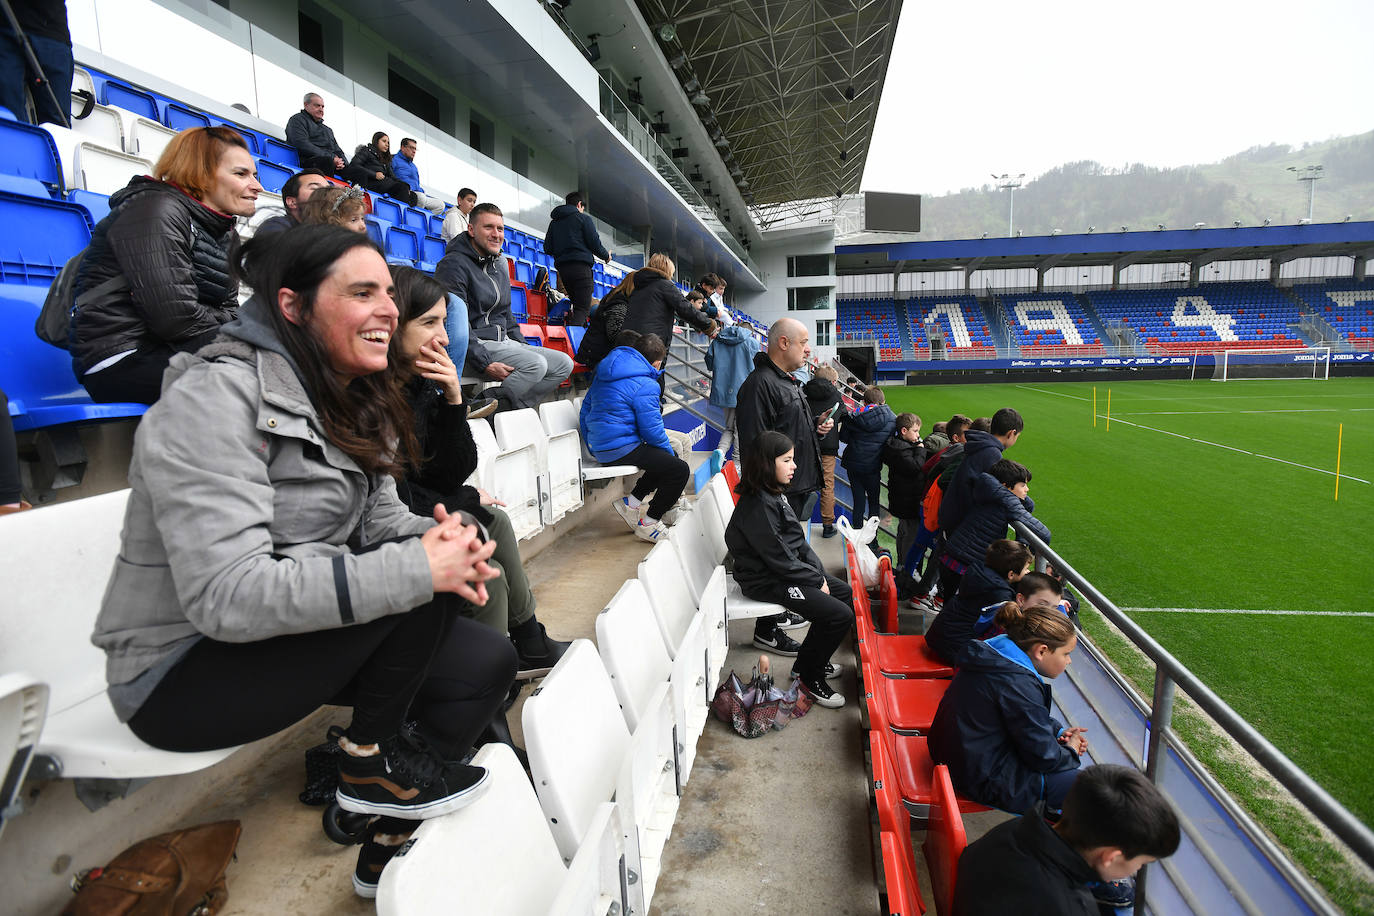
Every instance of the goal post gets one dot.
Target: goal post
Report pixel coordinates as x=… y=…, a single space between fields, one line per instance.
x=1273 y=363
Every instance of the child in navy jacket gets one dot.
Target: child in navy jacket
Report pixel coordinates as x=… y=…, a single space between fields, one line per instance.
x=993 y=728
x=865 y=433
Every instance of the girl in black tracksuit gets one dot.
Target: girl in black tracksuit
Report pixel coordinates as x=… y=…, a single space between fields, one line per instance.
x=774 y=563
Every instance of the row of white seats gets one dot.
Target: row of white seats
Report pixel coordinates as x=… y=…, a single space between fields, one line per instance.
x=536 y=464
x=616 y=728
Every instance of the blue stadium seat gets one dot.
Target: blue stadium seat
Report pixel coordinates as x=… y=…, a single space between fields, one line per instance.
x=524 y=272
x=376 y=232
x=97 y=205
x=575 y=335
x=253 y=138
x=415 y=218
x=30 y=153
x=36 y=377
x=402 y=244
x=432 y=249
x=280 y=152
x=386 y=209
x=179 y=117
x=272 y=176
x=38 y=236
x=436 y=226
x=122 y=95
x=24 y=187
x=519 y=306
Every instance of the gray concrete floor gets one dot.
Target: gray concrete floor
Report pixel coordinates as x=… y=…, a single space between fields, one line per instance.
x=780 y=824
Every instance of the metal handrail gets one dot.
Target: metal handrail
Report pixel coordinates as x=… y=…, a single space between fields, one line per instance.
x=1171 y=673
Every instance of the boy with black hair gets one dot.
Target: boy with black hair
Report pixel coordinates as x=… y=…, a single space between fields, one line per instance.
x=1000 y=497
x=986 y=587
x=1114 y=821
x=902 y=455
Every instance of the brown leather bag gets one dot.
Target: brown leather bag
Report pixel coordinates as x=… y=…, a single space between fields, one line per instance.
x=174 y=874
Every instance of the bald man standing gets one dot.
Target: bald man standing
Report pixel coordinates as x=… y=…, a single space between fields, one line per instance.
x=771 y=398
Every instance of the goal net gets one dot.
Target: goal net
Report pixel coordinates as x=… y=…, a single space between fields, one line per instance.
x=1273 y=363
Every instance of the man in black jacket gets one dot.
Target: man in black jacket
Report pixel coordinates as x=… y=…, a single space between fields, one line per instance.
x=315 y=144
x=573 y=243
x=771 y=398
x=1114 y=822
x=474 y=270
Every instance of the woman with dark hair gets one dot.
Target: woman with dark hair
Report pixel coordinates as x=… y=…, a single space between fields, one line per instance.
x=156 y=278
x=448 y=457
x=774 y=563
x=375 y=159
x=622 y=423
x=268 y=568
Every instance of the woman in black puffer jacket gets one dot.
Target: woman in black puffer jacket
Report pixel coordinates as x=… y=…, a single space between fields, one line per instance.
x=655 y=301
x=375 y=159
x=156 y=279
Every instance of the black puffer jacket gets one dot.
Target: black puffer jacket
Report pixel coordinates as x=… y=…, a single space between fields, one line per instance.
x=174 y=253
x=368 y=158
x=994 y=730
x=956 y=627
x=1023 y=867
x=654 y=303
x=769 y=547
x=822 y=396
x=981 y=451
x=994 y=507
x=772 y=399
x=903 y=460
x=448 y=456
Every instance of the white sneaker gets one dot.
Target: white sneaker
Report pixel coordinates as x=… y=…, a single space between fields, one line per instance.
x=631 y=514
x=680 y=508
x=651 y=532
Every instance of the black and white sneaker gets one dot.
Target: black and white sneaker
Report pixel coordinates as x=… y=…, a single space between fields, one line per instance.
x=777 y=642
x=821 y=692
x=407 y=779
x=832 y=671
x=372 y=859
x=790 y=620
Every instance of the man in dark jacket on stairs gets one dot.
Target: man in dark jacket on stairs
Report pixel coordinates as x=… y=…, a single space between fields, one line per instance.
x=574 y=245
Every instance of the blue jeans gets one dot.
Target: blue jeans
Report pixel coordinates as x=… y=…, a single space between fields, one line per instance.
x=55 y=58
x=457 y=328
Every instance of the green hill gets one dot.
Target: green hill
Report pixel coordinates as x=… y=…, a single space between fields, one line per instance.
x=1250 y=186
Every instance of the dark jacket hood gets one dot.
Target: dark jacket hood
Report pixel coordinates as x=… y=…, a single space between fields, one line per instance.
x=977 y=442
x=733 y=336
x=254 y=326
x=563 y=211
x=998 y=654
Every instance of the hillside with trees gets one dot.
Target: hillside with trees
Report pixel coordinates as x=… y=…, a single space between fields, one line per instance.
x=1250 y=186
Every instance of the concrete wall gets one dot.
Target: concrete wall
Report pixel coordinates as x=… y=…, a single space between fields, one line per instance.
x=771 y=255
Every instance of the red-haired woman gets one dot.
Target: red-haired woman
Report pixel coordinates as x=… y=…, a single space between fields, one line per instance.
x=156 y=277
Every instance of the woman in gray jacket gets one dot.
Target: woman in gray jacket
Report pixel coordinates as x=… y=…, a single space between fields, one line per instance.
x=268 y=567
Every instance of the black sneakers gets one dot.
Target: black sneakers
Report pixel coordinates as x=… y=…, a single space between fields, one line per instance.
x=777 y=642
x=537 y=651
x=790 y=620
x=407 y=779
x=372 y=859
x=832 y=671
x=820 y=692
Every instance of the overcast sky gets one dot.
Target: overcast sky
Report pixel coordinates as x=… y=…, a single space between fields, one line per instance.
x=976 y=88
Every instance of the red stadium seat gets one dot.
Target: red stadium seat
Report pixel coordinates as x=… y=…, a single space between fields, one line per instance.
x=899 y=855
x=945 y=841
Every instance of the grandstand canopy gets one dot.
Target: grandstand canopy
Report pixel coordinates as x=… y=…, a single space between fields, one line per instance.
x=788 y=89
x=1168 y=246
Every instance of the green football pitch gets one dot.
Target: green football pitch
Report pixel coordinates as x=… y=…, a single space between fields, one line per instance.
x=1210 y=513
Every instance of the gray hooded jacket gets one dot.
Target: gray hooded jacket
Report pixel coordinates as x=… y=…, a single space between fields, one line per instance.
x=244 y=521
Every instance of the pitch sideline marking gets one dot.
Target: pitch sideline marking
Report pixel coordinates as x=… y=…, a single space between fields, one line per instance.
x=1186 y=413
x=1230 y=448
x=1209 y=610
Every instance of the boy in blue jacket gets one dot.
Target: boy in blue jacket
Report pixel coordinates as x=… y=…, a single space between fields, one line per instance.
x=1000 y=497
x=865 y=433
x=988 y=585
x=622 y=423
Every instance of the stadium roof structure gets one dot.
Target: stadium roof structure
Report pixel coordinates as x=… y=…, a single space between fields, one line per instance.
x=787 y=89
x=1118 y=249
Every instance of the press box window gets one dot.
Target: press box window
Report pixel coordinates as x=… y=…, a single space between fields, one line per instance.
x=808 y=265
x=808 y=298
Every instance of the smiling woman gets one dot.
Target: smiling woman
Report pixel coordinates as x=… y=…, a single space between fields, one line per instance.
x=156 y=279
x=268 y=567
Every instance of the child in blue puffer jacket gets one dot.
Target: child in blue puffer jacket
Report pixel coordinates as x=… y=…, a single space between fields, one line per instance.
x=622 y=423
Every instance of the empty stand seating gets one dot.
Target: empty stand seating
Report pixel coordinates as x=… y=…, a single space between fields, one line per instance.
x=960 y=318
x=875 y=319
x=1346 y=305
x=1216 y=316
x=1051 y=324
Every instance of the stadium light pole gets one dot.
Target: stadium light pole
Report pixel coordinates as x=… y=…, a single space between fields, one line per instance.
x=1310 y=174
x=1009 y=184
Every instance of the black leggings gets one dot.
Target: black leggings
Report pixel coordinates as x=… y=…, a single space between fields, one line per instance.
x=831 y=616
x=138 y=376
x=430 y=664
x=665 y=476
